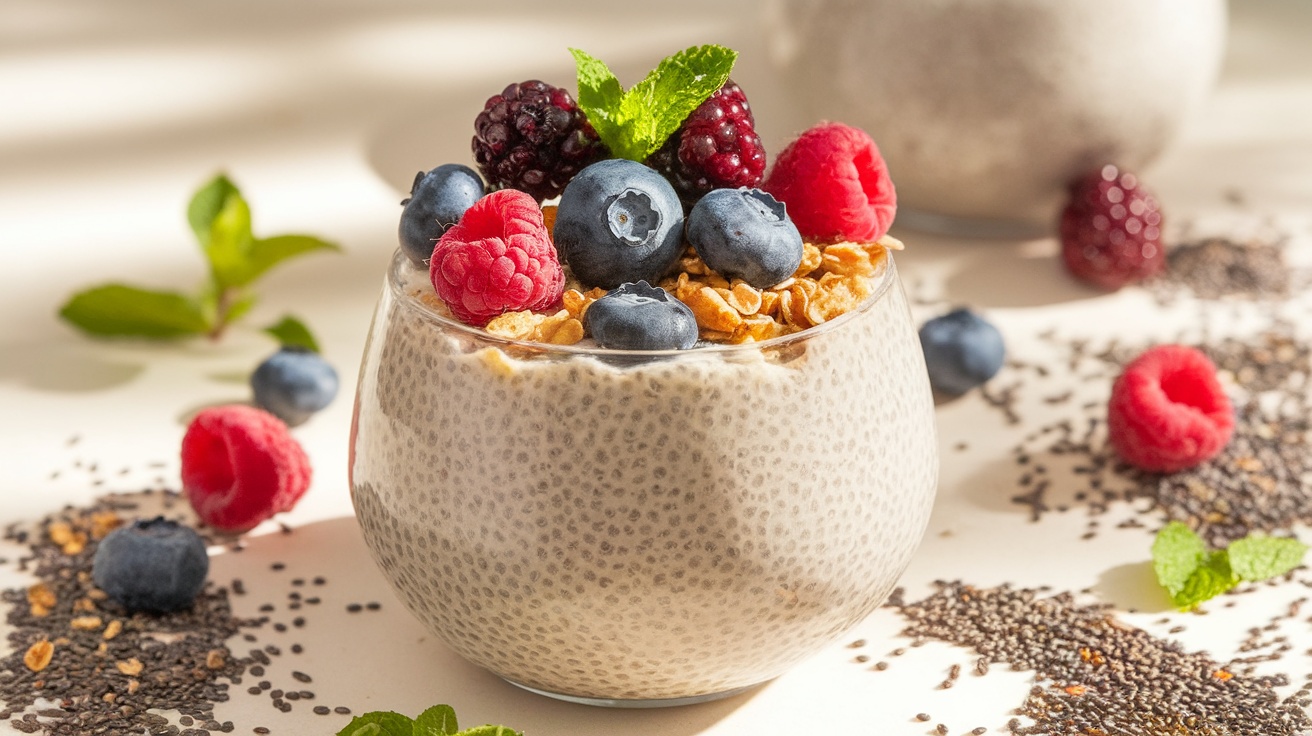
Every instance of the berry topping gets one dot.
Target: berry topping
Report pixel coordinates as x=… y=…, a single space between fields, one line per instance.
x=534 y=138
x=498 y=258
x=619 y=221
x=716 y=147
x=1111 y=230
x=152 y=565
x=835 y=184
x=639 y=316
x=1168 y=411
x=293 y=384
x=240 y=466
x=436 y=202
x=962 y=351
x=745 y=234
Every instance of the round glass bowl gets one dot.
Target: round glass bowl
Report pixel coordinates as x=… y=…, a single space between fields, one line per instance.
x=639 y=529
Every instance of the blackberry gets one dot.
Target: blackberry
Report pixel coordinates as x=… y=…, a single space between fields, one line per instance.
x=716 y=147
x=533 y=137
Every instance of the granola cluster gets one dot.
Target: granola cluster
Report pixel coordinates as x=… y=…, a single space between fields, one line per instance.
x=832 y=280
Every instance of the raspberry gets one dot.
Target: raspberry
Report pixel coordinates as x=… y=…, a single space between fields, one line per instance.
x=533 y=137
x=716 y=147
x=1111 y=230
x=498 y=258
x=240 y=466
x=1167 y=410
x=835 y=184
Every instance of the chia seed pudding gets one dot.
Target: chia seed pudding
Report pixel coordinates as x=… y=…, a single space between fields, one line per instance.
x=622 y=528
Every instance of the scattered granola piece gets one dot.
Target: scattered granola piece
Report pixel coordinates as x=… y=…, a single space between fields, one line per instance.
x=38 y=655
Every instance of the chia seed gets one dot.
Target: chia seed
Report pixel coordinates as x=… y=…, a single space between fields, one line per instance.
x=1096 y=675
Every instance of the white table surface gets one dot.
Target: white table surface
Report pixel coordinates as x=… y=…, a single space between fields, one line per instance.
x=114 y=112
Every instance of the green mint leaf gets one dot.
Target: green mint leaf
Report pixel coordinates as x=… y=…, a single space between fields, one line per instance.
x=600 y=94
x=117 y=310
x=634 y=124
x=440 y=720
x=205 y=206
x=1256 y=558
x=1208 y=580
x=292 y=333
x=229 y=243
x=658 y=105
x=490 y=731
x=378 y=723
x=265 y=253
x=1177 y=553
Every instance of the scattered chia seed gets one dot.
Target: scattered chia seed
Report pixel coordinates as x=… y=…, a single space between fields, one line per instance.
x=1261 y=481
x=117 y=676
x=1096 y=675
x=163 y=658
x=1216 y=268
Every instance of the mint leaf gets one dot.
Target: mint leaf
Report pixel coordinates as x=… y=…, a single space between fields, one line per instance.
x=490 y=731
x=378 y=723
x=440 y=720
x=205 y=205
x=292 y=333
x=1256 y=558
x=1177 y=553
x=266 y=253
x=600 y=94
x=634 y=124
x=116 y=310
x=229 y=243
x=658 y=105
x=1208 y=580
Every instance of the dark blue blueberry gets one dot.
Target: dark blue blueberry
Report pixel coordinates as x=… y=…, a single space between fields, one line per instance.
x=151 y=565
x=639 y=316
x=437 y=201
x=745 y=234
x=294 y=383
x=962 y=351
x=618 y=222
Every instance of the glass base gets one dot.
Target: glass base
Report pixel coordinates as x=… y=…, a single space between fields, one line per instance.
x=635 y=703
x=972 y=227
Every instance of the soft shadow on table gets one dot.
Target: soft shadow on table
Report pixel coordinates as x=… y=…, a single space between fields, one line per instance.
x=1134 y=588
x=992 y=272
x=64 y=367
x=384 y=659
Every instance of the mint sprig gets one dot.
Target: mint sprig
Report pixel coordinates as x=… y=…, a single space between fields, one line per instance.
x=221 y=220
x=1191 y=573
x=439 y=720
x=635 y=123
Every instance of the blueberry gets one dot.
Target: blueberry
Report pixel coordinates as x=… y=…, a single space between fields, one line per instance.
x=638 y=316
x=962 y=351
x=745 y=234
x=294 y=383
x=151 y=565
x=436 y=202
x=618 y=222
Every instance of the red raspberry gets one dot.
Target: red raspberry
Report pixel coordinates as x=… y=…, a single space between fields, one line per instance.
x=716 y=147
x=240 y=466
x=1167 y=410
x=498 y=258
x=1111 y=230
x=835 y=184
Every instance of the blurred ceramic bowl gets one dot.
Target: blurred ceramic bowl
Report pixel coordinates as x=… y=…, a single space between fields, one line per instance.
x=986 y=109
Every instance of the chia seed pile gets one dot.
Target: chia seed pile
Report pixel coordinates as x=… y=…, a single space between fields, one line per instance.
x=1096 y=676
x=79 y=664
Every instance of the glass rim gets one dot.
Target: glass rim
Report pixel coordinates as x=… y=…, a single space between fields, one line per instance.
x=400 y=260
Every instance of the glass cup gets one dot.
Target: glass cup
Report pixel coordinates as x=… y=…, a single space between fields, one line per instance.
x=641 y=528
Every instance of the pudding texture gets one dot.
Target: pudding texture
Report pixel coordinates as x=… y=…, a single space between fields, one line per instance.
x=640 y=527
